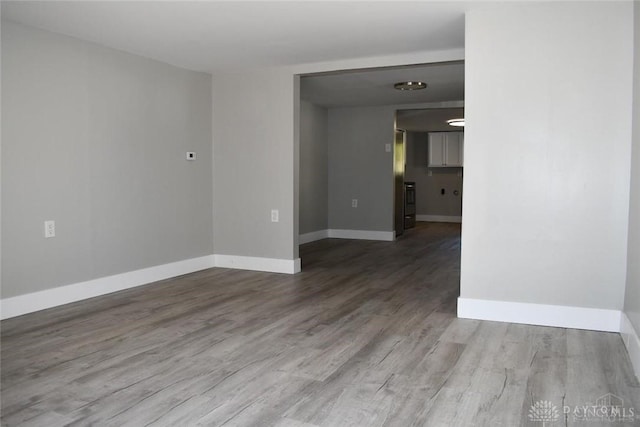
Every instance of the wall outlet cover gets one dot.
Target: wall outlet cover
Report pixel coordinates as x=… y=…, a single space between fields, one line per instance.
x=49 y=229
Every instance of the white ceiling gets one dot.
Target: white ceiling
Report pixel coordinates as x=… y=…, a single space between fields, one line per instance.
x=428 y=120
x=214 y=35
x=445 y=82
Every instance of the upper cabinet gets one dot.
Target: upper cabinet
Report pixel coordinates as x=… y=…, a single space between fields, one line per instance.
x=446 y=149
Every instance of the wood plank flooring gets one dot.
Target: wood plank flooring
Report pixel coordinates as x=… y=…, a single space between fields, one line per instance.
x=366 y=335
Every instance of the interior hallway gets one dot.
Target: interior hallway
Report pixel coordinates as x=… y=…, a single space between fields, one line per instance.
x=366 y=335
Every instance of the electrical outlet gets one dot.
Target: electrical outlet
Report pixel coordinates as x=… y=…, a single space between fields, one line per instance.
x=354 y=203
x=275 y=215
x=191 y=155
x=49 y=229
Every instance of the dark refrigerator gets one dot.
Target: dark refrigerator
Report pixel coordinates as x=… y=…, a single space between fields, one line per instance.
x=409 y=205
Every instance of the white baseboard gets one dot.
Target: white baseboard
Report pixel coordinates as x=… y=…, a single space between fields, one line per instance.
x=438 y=218
x=594 y=319
x=387 y=236
x=272 y=265
x=631 y=340
x=313 y=236
x=36 y=301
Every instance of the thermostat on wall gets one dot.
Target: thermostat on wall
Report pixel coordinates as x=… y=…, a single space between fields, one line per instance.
x=191 y=155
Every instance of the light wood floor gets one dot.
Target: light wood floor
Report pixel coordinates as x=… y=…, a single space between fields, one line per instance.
x=366 y=335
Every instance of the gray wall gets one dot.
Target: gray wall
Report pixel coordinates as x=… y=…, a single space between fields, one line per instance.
x=546 y=205
x=429 y=200
x=359 y=168
x=95 y=139
x=254 y=147
x=314 y=184
x=632 y=295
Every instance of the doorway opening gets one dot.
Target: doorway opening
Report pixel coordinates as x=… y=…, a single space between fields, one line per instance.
x=433 y=151
x=352 y=163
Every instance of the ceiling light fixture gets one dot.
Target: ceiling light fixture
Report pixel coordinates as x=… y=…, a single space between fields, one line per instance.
x=410 y=85
x=456 y=122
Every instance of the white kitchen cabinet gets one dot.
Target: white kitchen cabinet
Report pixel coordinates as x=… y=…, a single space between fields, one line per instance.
x=446 y=149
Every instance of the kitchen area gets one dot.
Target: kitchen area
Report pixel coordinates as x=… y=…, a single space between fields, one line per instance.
x=433 y=165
